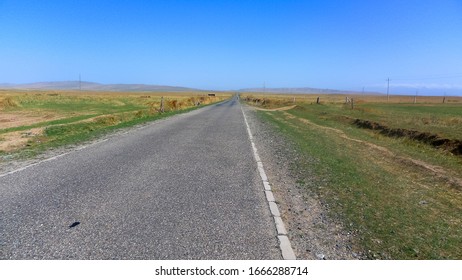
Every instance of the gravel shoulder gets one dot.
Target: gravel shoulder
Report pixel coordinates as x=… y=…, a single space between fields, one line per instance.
x=314 y=233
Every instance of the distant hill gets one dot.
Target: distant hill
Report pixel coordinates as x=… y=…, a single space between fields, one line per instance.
x=395 y=90
x=75 y=85
x=303 y=90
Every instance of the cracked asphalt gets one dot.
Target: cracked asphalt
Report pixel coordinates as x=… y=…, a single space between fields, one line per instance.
x=186 y=187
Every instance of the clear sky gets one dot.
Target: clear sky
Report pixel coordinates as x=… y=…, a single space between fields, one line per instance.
x=235 y=44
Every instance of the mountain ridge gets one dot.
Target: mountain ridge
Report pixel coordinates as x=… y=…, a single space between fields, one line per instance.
x=302 y=90
x=92 y=86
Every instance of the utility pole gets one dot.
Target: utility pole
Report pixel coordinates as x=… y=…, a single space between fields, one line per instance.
x=415 y=97
x=80 y=83
x=388 y=89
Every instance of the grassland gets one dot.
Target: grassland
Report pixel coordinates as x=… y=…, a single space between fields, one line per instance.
x=401 y=196
x=34 y=121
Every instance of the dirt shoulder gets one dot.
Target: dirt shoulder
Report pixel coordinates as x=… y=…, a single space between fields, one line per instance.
x=311 y=230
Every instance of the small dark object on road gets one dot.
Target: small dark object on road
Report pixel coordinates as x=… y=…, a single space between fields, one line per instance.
x=74 y=224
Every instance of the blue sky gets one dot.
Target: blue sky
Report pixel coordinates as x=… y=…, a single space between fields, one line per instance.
x=236 y=44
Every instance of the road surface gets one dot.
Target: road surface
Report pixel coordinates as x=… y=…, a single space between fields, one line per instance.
x=186 y=187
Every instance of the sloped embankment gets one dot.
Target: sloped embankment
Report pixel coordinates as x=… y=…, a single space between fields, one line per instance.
x=451 y=145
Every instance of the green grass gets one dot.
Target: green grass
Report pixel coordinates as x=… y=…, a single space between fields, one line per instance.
x=337 y=116
x=397 y=210
x=77 y=103
x=76 y=133
x=430 y=116
x=442 y=119
x=48 y=123
x=80 y=117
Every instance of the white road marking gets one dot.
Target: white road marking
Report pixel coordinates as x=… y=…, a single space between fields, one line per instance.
x=286 y=248
x=269 y=196
x=280 y=226
x=284 y=242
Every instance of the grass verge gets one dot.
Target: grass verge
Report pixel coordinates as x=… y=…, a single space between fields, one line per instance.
x=397 y=209
x=90 y=118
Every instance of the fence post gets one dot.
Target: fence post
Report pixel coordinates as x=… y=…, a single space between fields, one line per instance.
x=162 y=104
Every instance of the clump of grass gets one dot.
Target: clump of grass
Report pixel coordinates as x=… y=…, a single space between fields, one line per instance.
x=267 y=102
x=153 y=106
x=139 y=114
x=8 y=103
x=172 y=104
x=108 y=120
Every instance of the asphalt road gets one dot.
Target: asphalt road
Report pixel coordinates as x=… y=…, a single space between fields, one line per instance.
x=182 y=188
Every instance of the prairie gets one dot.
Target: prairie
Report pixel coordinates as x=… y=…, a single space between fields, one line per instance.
x=33 y=121
x=400 y=195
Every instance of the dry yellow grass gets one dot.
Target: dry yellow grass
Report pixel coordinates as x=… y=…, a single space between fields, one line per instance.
x=286 y=99
x=22 y=110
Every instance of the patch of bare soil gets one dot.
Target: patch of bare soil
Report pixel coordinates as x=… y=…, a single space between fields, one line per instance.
x=451 y=145
x=313 y=233
x=15 y=119
x=14 y=140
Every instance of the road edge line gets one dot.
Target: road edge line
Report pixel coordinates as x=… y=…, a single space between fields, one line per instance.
x=284 y=242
